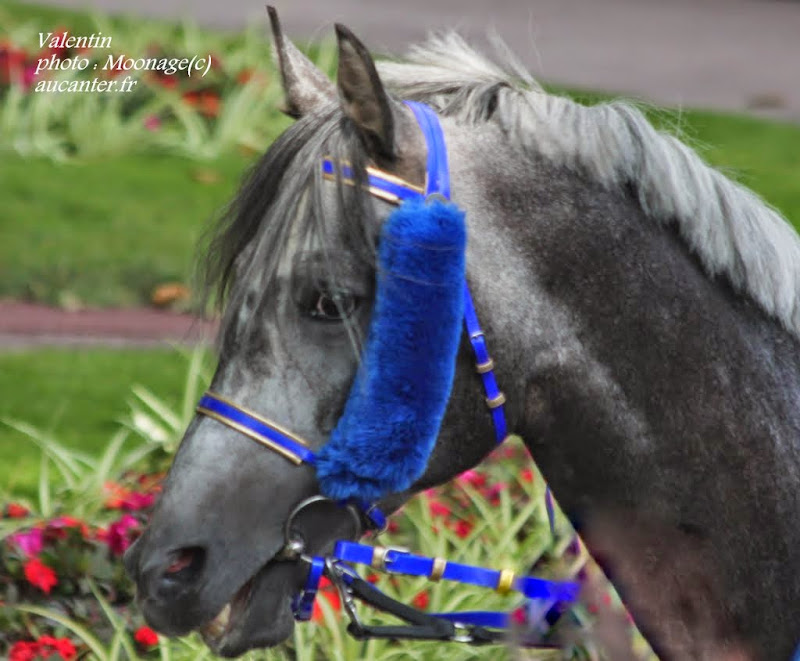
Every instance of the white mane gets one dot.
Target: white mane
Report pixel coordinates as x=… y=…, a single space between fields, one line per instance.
x=731 y=229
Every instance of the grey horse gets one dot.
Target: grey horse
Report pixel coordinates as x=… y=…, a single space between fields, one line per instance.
x=643 y=314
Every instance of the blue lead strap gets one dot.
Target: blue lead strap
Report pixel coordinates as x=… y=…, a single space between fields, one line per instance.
x=408 y=564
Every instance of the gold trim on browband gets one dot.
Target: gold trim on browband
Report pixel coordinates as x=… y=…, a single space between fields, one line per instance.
x=496 y=401
x=268 y=423
x=437 y=569
x=391 y=198
x=291 y=456
x=506 y=582
x=394 y=179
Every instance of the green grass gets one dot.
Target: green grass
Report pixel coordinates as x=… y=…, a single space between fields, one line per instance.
x=106 y=231
x=79 y=396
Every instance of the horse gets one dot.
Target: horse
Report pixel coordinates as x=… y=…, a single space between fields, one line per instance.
x=643 y=314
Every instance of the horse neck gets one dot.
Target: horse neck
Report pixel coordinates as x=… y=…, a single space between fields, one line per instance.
x=646 y=390
x=610 y=330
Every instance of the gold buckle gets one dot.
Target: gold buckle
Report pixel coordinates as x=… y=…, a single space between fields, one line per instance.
x=496 y=401
x=437 y=569
x=482 y=368
x=506 y=582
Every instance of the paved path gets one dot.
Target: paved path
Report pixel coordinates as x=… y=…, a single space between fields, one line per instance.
x=25 y=325
x=731 y=54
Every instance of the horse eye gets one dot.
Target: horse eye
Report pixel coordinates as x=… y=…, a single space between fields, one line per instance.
x=333 y=306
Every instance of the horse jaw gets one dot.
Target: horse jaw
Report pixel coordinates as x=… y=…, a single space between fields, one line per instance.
x=258 y=615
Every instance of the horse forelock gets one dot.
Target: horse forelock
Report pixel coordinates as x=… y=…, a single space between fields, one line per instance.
x=734 y=233
x=279 y=210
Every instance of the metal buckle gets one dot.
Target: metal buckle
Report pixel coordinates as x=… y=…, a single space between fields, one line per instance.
x=293 y=547
x=380 y=555
x=335 y=574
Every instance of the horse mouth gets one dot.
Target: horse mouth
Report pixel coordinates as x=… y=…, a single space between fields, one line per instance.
x=216 y=631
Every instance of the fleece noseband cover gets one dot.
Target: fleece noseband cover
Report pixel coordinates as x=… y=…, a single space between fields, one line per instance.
x=392 y=417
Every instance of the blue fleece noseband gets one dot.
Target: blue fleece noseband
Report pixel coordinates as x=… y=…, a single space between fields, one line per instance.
x=396 y=404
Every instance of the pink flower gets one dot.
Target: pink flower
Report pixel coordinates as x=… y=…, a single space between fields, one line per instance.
x=152 y=122
x=121 y=534
x=122 y=498
x=493 y=492
x=472 y=477
x=138 y=501
x=58 y=528
x=28 y=542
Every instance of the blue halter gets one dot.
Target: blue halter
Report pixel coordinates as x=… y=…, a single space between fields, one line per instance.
x=397 y=191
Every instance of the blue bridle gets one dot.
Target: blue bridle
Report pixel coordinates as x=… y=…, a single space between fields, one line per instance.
x=397 y=191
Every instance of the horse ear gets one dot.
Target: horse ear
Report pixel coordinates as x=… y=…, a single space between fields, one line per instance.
x=361 y=93
x=305 y=87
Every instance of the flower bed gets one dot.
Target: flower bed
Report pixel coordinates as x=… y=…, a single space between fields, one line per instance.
x=64 y=592
x=109 y=104
x=63 y=564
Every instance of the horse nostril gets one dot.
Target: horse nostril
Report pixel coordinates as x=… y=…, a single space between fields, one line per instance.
x=185 y=564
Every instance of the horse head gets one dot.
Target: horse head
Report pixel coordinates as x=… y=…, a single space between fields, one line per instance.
x=297 y=264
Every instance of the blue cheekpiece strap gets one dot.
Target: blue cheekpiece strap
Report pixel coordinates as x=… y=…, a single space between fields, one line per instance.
x=438 y=172
x=303 y=605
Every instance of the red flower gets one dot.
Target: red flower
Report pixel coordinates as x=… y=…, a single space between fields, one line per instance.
x=438 y=508
x=146 y=637
x=328 y=592
x=527 y=475
x=16 y=511
x=209 y=104
x=462 y=528
x=61 y=646
x=57 y=528
x=421 y=600
x=518 y=616
x=23 y=651
x=40 y=575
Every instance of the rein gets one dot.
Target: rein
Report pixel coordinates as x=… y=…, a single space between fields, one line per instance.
x=546 y=599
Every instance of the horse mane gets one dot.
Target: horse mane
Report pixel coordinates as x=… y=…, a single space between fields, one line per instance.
x=733 y=231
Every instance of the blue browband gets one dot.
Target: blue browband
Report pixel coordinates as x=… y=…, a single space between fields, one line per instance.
x=396 y=191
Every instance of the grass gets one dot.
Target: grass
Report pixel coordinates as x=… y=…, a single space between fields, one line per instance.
x=77 y=396
x=105 y=231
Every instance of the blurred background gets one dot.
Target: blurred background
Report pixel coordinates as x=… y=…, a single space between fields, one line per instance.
x=106 y=198
x=726 y=54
